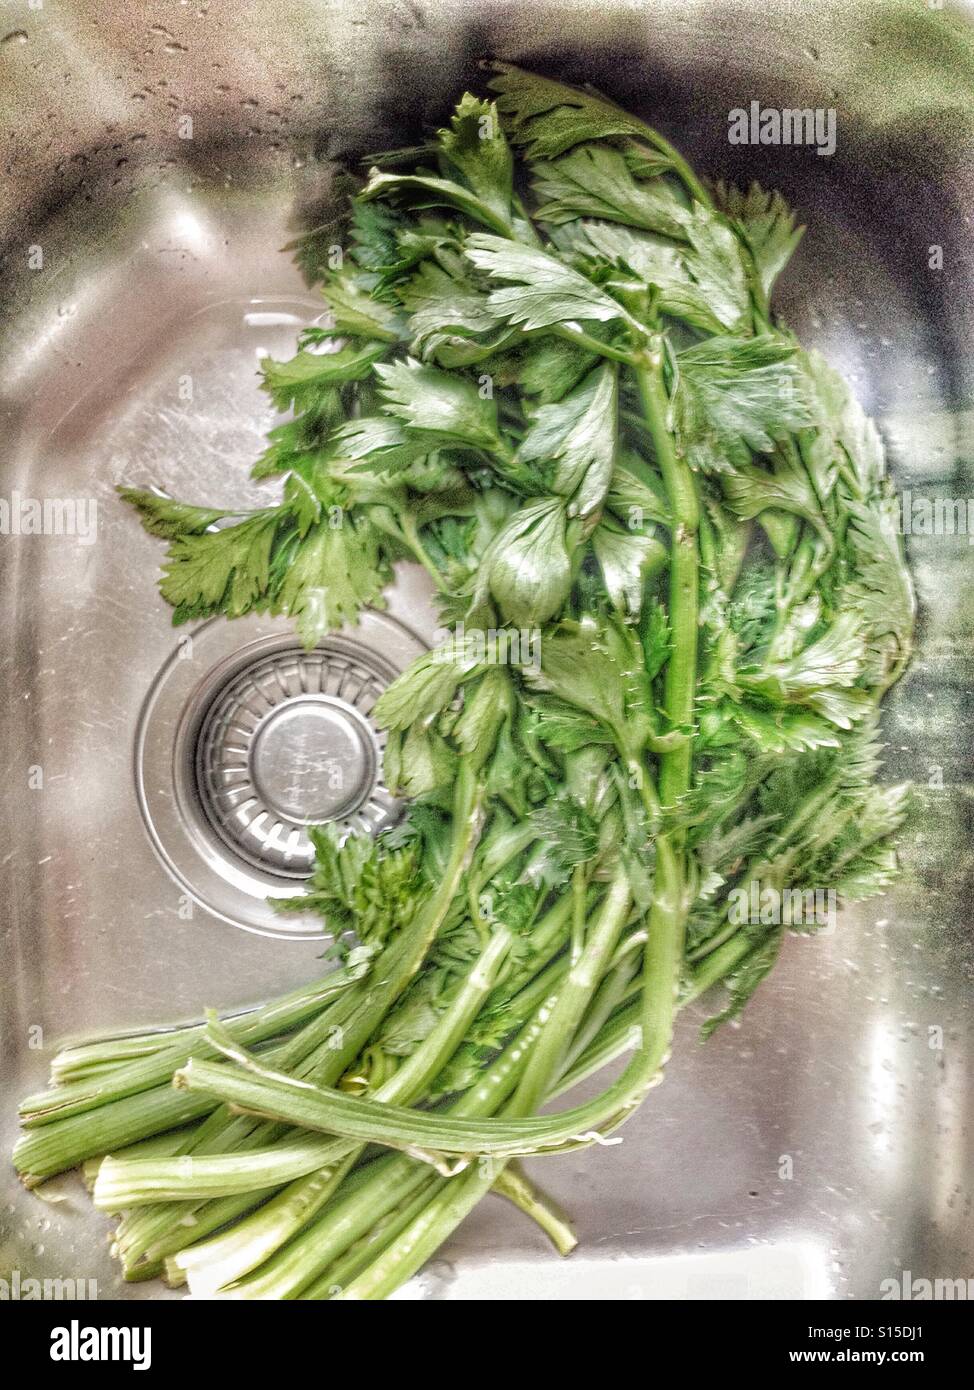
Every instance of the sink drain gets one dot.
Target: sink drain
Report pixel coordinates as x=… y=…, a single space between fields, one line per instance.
x=246 y=740
x=287 y=745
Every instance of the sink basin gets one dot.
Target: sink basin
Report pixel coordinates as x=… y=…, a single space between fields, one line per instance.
x=153 y=170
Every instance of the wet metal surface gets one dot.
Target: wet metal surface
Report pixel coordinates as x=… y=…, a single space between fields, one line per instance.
x=244 y=740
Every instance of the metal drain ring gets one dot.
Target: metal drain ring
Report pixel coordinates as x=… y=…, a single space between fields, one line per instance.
x=245 y=740
x=288 y=745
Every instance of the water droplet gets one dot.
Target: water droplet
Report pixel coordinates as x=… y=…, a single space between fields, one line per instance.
x=174 y=47
x=435 y=1279
x=16 y=36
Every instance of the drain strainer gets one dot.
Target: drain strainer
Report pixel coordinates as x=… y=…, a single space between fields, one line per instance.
x=288 y=744
x=246 y=741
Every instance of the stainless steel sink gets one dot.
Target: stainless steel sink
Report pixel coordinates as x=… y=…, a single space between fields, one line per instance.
x=153 y=167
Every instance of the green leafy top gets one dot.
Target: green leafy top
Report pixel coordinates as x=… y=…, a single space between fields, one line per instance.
x=475 y=146
x=561 y=390
x=543 y=290
x=578 y=435
x=547 y=118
